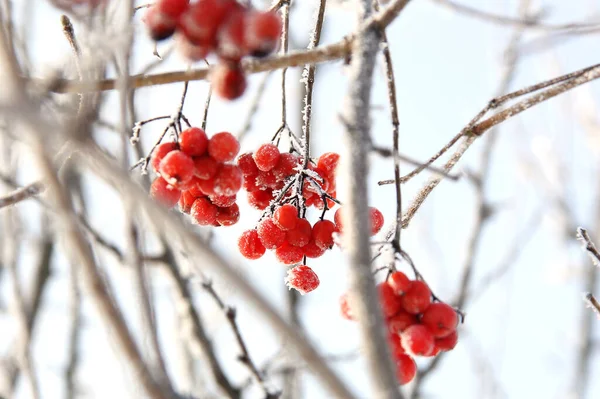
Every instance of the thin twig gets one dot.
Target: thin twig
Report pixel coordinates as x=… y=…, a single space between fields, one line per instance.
x=21 y=194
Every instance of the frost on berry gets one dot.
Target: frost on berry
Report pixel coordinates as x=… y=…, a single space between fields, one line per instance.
x=223 y=201
x=399 y=282
x=228 y=180
x=289 y=254
x=406 y=369
x=247 y=165
x=322 y=233
x=401 y=321
x=328 y=162
x=177 y=168
x=223 y=147
x=159 y=153
x=300 y=235
x=193 y=141
x=270 y=235
x=312 y=250
x=260 y=199
x=418 y=340
x=448 y=342
x=418 y=297
x=205 y=167
x=302 y=278
x=286 y=217
x=250 y=245
x=204 y=212
x=440 y=318
x=164 y=193
x=266 y=157
x=228 y=216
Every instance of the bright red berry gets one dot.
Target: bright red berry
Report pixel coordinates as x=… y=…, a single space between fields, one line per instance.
x=204 y=212
x=395 y=345
x=312 y=250
x=418 y=297
x=231 y=37
x=345 y=308
x=263 y=30
x=440 y=318
x=228 y=80
x=250 y=245
x=247 y=164
x=401 y=321
x=267 y=179
x=186 y=201
x=270 y=235
x=328 y=162
x=205 y=167
x=390 y=303
x=223 y=147
x=193 y=141
x=159 y=153
x=300 y=235
x=164 y=193
x=322 y=233
x=337 y=218
x=376 y=220
x=266 y=157
x=289 y=254
x=448 y=342
x=417 y=340
x=260 y=199
x=285 y=166
x=172 y=8
x=406 y=369
x=228 y=180
x=302 y=278
x=160 y=25
x=206 y=187
x=202 y=20
x=177 y=168
x=223 y=201
x=228 y=216
x=399 y=282
x=286 y=217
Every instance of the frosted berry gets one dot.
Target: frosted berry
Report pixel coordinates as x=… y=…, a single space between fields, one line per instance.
x=390 y=303
x=260 y=199
x=247 y=164
x=186 y=201
x=448 y=342
x=399 y=282
x=376 y=220
x=302 y=278
x=159 y=153
x=204 y=212
x=401 y=321
x=193 y=141
x=312 y=250
x=440 y=318
x=406 y=369
x=223 y=201
x=328 y=162
x=160 y=25
x=266 y=157
x=228 y=81
x=164 y=193
x=395 y=345
x=263 y=30
x=228 y=216
x=417 y=340
x=207 y=187
x=289 y=254
x=228 y=180
x=322 y=233
x=286 y=217
x=270 y=235
x=285 y=166
x=223 y=147
x=418 y=297
x=250 y=245
x=205 y=167
x=177 y=168
x=300 y=235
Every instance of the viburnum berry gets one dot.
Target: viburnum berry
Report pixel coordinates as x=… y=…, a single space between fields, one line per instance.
x=228 y=216
x=267 y=179
x=172 y=8
x=289 y=254
x=328 y=162
x=228 y=80
x=312 y=250
x=286 y=217
x=164 y=193
x=266 y=157
x=417 y=340
x=193 y=141
x=376 y=220
x=206 y=186
x=193 y=187
x=345 y=308
x=177 y=168
x=337 y=219
x=204 y=212
x=300 y=235
x=434 y=351
x=228 y=180
x=322 y=233
x=231 y=37
x=186 y=201
x=448 y=342
x=270 y=235
x=247 y=165
x=395 y=345
x=223 y=201
x=390 y=303
x=417 y=298
x=260 y=199
x=285 y=166
x=263 y=30
x=250 y=245
x=223 y=147
x=202 y=20
x=189 y=50
x=399 y=282
x=160 y=25
x=302 y=278
x=440 y=318
x=205 y=167
x=159 y=153
x=406 y=369
x=401 y=321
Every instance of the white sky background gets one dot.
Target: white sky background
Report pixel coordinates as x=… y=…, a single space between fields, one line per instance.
x=520 y=337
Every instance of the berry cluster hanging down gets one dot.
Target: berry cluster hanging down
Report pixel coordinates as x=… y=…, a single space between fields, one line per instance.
x=197 y=173
x=224 y=27
x=416 y=325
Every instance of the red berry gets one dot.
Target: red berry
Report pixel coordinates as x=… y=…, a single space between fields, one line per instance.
x=263 y=30
x=406 y=369
x=206 y=187
x=205 y=167
x=164 y=193
x=202 y=20
x=322 y=233
x=223 y=201
x=223 y=147
x=337 y=218
x=247 y=164
x=204 y=212
x=260 y=199
x=440 y=318
x=401 y=321
x=228 y=180
x=231 y=37
x=228 y=216
x=159 y=153
x=448 y=342
x=376 y=220
x=250 y=245
x=270 y=235
x=395 y=345
x=302 y=278
x=172 y=8
x=418 y=297
x=190 y=50
x=328 y=162
x=312 y=250
x=177 y=168
x=160 y=25
x=186 y=200
x=390 y=303
x=266 y=157
x=399 y=282
x=228 y=81
x=417 y=340
x=193 y=141
x=434 y=351
x=286 y=217
x=285 y=166
x=345 y=308
x=300 y=235
x=193 y=187
x=289 y=254
x=267 y=179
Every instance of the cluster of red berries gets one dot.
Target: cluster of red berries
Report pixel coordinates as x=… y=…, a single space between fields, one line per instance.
x=196 y=172
x=267 y=170
x=416 y=325
x=224 y=27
